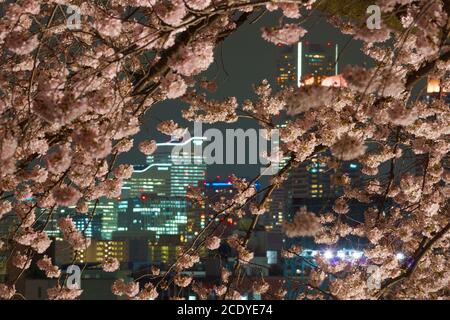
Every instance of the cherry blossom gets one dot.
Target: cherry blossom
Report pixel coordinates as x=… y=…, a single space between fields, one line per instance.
x=212 y=243
x=7 y=292
x=72 y=100
x=193 y=59
x=149 y=292
x=5 y=207
x=131 y=289
x=148 y=147
x=110 y=264
x=21 y=260
x=348 y=147
x=174 y=86
x=288 y=34
x=260 y=287
x=182 y=281
x=63 y=293
x=66 y=196
x=51 y=271
x=304 y=224
x=123 y=171
x=72 y=235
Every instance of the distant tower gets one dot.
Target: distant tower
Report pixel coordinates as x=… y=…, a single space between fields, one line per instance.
x=155 y=195
x=306 y=64
x=287 y=67
x=315 y=62
x=302 y=65
x=164 y=176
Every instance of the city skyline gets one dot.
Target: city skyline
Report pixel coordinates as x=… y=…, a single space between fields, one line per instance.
x=214 y=150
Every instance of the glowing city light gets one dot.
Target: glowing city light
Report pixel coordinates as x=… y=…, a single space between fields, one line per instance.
x=357 y=255
x=328 y=254
x=400 y=256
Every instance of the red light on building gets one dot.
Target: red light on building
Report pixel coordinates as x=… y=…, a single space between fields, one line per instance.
x=143 y=197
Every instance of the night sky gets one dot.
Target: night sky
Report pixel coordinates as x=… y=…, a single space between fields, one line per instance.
x=247 y=59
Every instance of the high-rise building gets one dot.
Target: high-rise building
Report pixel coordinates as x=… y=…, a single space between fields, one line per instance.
x=62 y=253
x=102 y=249
x=166 y=250
x=287 y=67
x=215 y=191
x=315 y=62
x=186 y=169
x=196 y=214
x=158 y=214
x=91 y=227
x=311 y=64
x=308 y=64
x=222 y=190
x=153 y=178
x=311 y=179
x=107 y=208
x=166 y=174
x=155 y=196
x=101 y=226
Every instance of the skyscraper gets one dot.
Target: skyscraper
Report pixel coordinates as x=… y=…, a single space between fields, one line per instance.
x=164 y=175
x=311 y=64
x=219 y=190
x=154 y=199
x=315 y=62
x=307 y=64
x=101 y=226
x=287 y=67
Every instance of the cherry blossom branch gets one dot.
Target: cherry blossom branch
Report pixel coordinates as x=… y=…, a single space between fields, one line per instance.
x=391 y=173
x=420 y=253
x=245 y=241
